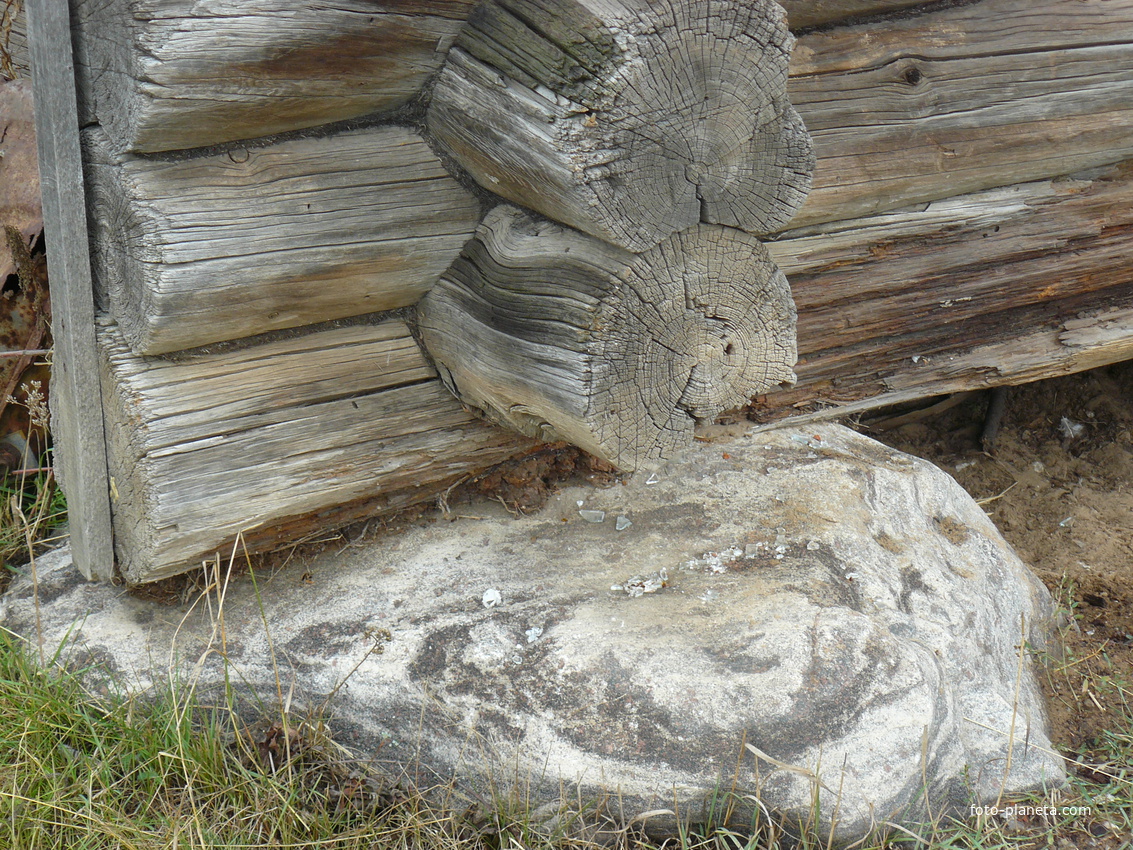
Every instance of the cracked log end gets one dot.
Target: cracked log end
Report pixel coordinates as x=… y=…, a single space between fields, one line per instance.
x=561 y=336
x=629 y=120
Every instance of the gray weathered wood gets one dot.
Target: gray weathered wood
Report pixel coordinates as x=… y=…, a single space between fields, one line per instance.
x=954 y=101
x=562 y=336
x=628 y=120
x=273 y=441
x=999 y=287
x=77 y=427
x=224 y=246
x=173 y=74
x=15 y=63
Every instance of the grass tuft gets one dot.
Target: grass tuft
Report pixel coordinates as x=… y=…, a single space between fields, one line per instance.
x=80 y=769
x=32 y=511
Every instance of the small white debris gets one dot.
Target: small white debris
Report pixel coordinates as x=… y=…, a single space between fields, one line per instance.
x=851 y=576
x=593 y=516
x=1037 y=466
x=580 y=503
x=1066 y=523
x=708 y=595
x=639 y=586
x=533 y=634
x=652 y=479
x=964 y=464
x=1070 y=429
x=491 y=598
x=717 y=562
x=622 y=523
x=917 y=358
x=812 y=545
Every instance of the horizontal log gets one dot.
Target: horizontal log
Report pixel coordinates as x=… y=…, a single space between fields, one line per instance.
x=561 y=336
x=193 y=251
x=999 y=287
x=628 y=120
x=803 y=14
x=294 y=434
x=950 y=102
x=172 y=74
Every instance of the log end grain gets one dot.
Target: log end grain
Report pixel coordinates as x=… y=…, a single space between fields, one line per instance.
x=561 y=336
x=679 y=116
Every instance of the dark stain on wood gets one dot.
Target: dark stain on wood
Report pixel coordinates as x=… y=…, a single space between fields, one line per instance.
x=360 y=53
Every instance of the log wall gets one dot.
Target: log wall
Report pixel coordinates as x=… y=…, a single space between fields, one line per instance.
x=1003 y=286
x=228 y=245
x=967 y=226
x=951 y=101
x=343 y=421
x=173 y=74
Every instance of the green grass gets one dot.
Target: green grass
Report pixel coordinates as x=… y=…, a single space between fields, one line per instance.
x=85 y=770
x=32 y=508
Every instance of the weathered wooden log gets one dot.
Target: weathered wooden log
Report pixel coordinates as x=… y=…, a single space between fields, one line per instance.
x=171 y=74
x=562 y=336
x=952 y=101
x=219 y=247
x=999 y=287
x=276 y=440
x=803 y=14
x=628 y=120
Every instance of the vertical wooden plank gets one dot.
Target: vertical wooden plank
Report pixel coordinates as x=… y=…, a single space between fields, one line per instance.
x=77 y=423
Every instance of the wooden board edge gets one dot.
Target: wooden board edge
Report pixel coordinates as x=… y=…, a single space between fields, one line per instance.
x=77 y=422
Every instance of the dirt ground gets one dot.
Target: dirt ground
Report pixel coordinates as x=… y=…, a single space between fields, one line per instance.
x=1059 y=485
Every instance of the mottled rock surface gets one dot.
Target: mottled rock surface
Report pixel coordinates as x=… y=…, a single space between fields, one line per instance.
x=845 y=609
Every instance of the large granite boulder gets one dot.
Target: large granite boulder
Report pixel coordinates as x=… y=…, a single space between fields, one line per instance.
x=802 y=614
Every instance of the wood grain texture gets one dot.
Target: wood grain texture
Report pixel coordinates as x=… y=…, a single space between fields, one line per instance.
x=561 y=336
x=954 y=101
x=293 y=433
x=628 y=120
x=173 y=74
x=76 y=409
x=15 y=61
x=219 y=247
x=802 y=14
x=999 y=287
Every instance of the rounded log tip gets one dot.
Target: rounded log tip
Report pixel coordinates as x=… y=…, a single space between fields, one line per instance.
x=562 y=336
x=682 y=119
